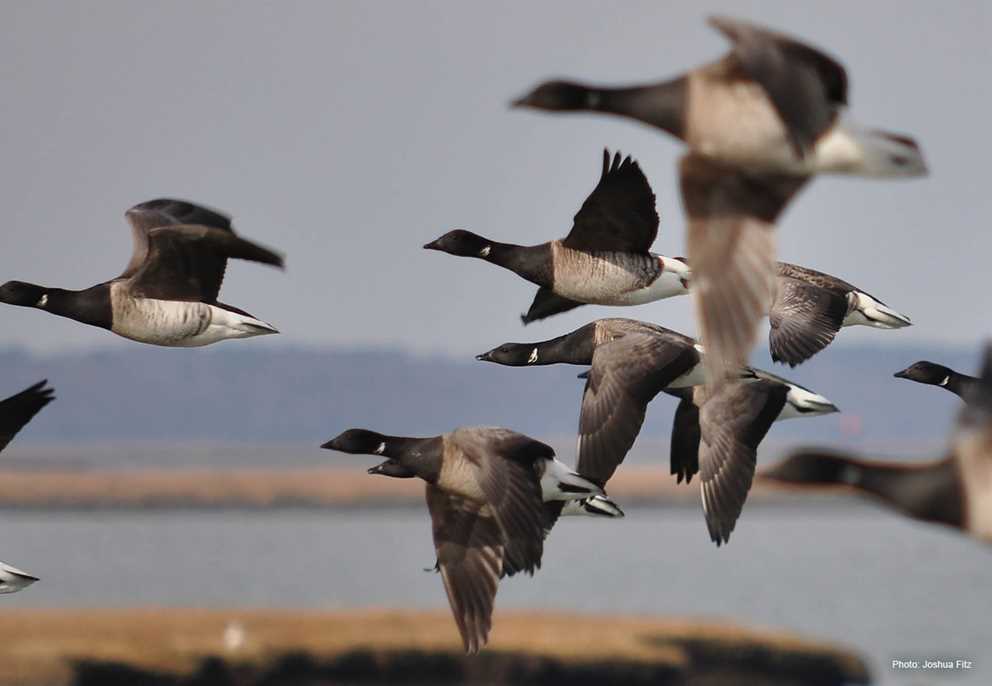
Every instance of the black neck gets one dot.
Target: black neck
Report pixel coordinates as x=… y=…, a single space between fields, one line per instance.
x=532 y=262
x=420 y=455
x=960 y=384
x=572 y=348
x=89 y=306
x=931 y=492
x=659 y=104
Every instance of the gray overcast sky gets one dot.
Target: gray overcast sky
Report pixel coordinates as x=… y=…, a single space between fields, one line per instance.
x=347 y=134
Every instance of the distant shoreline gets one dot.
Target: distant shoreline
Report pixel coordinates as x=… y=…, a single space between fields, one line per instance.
x=339 y=488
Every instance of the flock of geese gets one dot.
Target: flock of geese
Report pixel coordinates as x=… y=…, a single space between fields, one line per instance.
x=757 y=124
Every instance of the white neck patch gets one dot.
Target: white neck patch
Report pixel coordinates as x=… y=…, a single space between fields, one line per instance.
x=946 y=379
x=44 y=300
x=381 y=449
x=533 y=356
x=485 y=251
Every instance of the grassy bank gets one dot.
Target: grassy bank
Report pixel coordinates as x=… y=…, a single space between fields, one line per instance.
x=331 y=487
x=83 y=648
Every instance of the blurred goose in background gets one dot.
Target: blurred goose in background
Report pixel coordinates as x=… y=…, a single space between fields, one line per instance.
x=935 y=374
x=718 y=433
x=18 y=410
x=604 y=260
x=167 y=294
x=772 y=105
x=810 y=307
x=486 y=494
x=13 y=579
x=631 y=362
x=955 y=490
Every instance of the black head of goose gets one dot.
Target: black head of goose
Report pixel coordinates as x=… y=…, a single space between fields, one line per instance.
x=810 y=307
x=167 y=294
x=18 y=410
x=486 y=494
x=718 y=432
x=953 y=490
x=934 y=374
x=789 y=97
x=606 y=257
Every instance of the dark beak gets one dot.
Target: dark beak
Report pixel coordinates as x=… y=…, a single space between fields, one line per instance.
x=522 y=101
x=904 y=374
x=485 y=357
x=329 y=445
x=431 y=246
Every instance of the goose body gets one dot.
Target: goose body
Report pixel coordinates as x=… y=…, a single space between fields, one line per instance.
x=488 y=491
x=810 y=307
x=13 y=579
x=717 y=433
x=772 y=105
x=606 y=257
x=167 y=294
x=954 y=490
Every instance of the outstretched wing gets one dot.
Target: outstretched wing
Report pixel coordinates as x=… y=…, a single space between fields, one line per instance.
x=547 y=303
x=155 y=214
x=187 y=262
x=804 y=320
x=733 y=421
x=18 y=410
x=626 y=374
x=469 y=547
x=619 y=214
x=805 y=86
x=731 y=216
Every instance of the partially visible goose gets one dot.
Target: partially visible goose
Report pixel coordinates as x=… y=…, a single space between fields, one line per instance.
x=167 y=295
x=718 y=433
x=935 y=374
x=606 y=257
x=13 y=579
x=18 y=410
x=771 y=105
x=810 y=307
x=486 y=493
x=955 y=490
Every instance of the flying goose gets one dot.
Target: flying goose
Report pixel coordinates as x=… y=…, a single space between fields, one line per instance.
x=935 y=374
x=167 y=294
x=631 y=362
x=955 y=490
x=606 y=257
x=771 y=105
x=718 y=433
x=13 y=579
x=810 y=307
x=486 y=494
x=18 y=410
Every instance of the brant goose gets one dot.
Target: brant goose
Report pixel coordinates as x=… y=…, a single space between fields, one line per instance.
x=955 y=491
x=604 y=260
x=772 y=105
x=167 y=295
x=719 y=433
x=13 y=579
x=631 y=362
x=934 y=374
x=810 y=307
x=486 y=490
x=18 y=410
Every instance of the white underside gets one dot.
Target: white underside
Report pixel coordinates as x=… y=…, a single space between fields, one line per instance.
x=557 y=473
x=694 y=377
x=870 y=312
x=850 y=149
x=13 y=579
x=667 y=285
x=596 y=506
x=814 y=404
x=182 y=324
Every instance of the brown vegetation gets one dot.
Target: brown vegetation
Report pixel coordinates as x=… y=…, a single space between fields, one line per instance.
x=58 y=647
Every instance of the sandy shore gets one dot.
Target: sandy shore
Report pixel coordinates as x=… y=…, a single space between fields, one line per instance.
x=83 y=647
x=330 y=487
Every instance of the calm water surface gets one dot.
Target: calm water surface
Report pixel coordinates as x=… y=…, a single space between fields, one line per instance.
x=851 y=574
